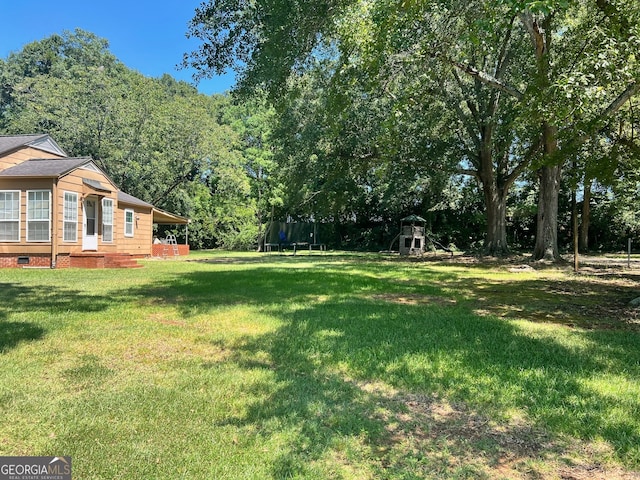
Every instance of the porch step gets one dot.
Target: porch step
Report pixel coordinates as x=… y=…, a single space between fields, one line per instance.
x=103 y=260
x=120 y=261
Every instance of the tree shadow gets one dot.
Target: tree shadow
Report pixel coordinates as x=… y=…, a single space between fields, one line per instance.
x=18 y=299
x=346 y=335
x=12 y=333
x=293 y=280
x=576 y=302
x=481 y=363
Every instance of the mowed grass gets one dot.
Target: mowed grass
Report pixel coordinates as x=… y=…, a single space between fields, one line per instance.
x=321 y=366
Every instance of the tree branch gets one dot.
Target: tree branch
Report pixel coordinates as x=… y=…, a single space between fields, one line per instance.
x=629 y=92
x=468 y=171
x=516 y=172
x=630 y=144
x=487 y=79
x=610 y=10
x=612 y=108
x=501 y=63
x=501 y=66
x=524 y=164
x=472 y=107
x=463 y=118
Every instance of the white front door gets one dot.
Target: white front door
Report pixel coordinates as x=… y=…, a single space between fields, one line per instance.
x=90 y=225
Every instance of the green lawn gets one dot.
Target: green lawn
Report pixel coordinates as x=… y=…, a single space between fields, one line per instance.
x=321 y=366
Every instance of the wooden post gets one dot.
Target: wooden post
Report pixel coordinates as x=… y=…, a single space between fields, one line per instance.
x=53 y=215
x=576 y=261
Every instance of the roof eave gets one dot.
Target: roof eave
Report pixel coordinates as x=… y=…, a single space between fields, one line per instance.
x=161 y=217
x=28 y=177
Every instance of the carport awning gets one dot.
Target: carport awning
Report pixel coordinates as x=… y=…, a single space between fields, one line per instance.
x=161 y=217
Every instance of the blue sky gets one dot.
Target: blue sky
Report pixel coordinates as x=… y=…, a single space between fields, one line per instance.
x=146 y=35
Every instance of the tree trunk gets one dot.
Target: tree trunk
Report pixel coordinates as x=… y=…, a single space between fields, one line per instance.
x=547 y=229
x=496 y=207
x=574 y=229
x=586 y=216
x=546 y=247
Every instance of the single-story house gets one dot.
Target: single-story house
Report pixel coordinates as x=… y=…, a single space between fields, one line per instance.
x=58 y=211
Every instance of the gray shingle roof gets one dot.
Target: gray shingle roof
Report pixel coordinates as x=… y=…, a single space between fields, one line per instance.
x=39 y=140
x=131 y=200
x=11 y=142
x=45 y=167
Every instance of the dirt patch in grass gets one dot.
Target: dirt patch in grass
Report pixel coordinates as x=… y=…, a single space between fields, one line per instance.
x=506 y=450
x=577 y=301
x=597 y=297
x=160 y=318
x=414 y=299
x=156 y=351
x=460 y=442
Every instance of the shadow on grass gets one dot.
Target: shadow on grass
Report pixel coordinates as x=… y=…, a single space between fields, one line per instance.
x=25 y=300
x=17 y=298
x=581 y=302
x=481 y=362
x=12 y=333
x=293 y=281
x=342 y=337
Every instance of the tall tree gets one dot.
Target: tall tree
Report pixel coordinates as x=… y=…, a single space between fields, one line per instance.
x=485 y=120
x=574 y=46
x=591 y=69
x=158 y=139
x=548 y=90
x=252 y=122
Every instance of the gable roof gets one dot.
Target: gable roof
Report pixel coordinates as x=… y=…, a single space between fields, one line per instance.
x=45 y=167
x=413 y=218
x=58 y=167
x=41 y=141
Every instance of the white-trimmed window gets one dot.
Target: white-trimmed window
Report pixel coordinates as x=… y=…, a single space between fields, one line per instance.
x=128 y=223
x=9 y=216
x=70 y=217
x=107 y=220
x=38 y=216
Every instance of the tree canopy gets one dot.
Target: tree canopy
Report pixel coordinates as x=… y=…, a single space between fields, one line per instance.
x=523 y=84
x=158 y=139
x=481 y=117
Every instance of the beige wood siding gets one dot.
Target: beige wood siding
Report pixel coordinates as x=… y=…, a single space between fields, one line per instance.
x=73 y=182
x=138 y=244
x=141 y=241
x=26 y=153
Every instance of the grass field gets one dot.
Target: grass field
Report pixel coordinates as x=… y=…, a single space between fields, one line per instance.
x=322 y=366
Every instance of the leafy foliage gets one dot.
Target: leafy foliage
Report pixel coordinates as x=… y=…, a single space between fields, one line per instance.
x=358 y=113
x=158 y=139
x=503 y=87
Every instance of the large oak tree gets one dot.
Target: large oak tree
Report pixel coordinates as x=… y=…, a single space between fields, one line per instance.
x=561 y=68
